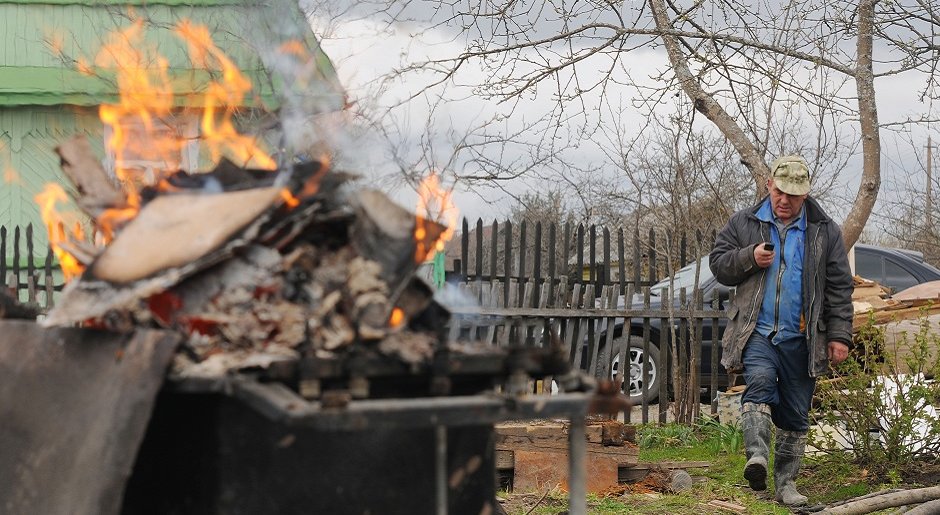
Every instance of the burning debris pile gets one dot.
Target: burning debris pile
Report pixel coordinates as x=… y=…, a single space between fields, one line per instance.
x=288 y=268
x=254 y=266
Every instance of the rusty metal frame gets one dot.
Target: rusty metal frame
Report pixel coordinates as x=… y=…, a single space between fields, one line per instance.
x=280 y=404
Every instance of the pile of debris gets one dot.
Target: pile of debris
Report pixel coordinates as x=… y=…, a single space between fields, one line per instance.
x=872 y=301
x=252 y=266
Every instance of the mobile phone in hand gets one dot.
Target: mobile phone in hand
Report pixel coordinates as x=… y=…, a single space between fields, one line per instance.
x=769 y=247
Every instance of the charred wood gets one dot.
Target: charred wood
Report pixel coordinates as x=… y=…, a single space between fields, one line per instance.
x=96 y=189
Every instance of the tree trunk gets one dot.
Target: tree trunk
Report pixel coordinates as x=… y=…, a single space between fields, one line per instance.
x=704 y=102
x=868 y=122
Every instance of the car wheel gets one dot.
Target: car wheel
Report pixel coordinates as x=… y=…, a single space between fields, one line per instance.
x=634 y=384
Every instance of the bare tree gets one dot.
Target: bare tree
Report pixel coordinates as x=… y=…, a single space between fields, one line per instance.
x=747 y=68
x=910 y=213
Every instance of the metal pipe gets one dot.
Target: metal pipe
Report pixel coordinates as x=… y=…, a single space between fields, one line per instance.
x=577 y=466
x=440 y=470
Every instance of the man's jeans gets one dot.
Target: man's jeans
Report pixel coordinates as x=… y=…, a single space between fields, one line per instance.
x=778 y=375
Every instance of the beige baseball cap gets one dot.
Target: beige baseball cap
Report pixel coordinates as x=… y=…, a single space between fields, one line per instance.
x=791 y=175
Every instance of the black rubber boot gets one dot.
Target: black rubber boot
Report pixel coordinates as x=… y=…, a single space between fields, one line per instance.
x=788 y=456
x=755 y=421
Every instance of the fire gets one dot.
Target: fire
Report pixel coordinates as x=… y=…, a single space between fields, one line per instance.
x=218 y=131
x=56 y=225
x=145 y=124
x=289 y=200
x=145 y=100
x=435 y=204
x=397 y=318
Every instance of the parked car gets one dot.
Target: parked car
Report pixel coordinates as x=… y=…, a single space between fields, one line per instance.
x=895 y=269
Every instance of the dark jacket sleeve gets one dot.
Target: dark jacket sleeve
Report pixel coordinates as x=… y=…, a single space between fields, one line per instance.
x=837 y=307
x=731 y=259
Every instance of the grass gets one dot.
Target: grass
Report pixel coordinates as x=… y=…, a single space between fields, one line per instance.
x=824 y=479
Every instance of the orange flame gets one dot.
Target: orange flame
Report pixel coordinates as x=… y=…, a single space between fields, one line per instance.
x=218 y=131
x=397 y=318
x=435 y=204
x=289 y=200
x=145 y=100
x=56 y=224
x=143 y=122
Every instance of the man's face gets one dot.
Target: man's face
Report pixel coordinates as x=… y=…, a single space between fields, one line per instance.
x=786 y=207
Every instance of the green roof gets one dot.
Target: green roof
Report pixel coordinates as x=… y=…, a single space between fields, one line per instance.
x=98 y=3
x=32 y=73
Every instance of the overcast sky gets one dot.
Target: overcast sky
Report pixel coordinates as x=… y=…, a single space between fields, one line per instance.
x=365 y=49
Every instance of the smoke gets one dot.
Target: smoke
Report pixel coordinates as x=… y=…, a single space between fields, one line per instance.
x=310 y=98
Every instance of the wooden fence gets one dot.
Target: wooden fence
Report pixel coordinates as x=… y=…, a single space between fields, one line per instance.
x=601 y=256
x=588 y=326
x=29 y=275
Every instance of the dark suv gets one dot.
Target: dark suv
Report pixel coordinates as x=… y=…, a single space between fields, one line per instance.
x=895 y=269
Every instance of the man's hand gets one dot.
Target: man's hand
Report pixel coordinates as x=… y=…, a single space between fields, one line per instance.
x=837 y=353
x=763 y=258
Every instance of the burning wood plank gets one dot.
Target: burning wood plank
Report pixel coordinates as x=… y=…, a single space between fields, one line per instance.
x=385 y=233
x=96 y=190
x=176 y=229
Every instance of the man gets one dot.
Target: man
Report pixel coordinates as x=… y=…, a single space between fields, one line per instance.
x=791 y=317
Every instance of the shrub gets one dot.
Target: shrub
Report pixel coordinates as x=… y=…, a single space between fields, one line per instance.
x=880 y=404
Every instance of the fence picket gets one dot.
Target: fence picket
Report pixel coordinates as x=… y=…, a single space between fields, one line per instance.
x=507 y=325
x=664 y=338
x=645 y=365
x=552 y=251
x=507 y=261
x=465 y=249
x=681 y=350
x=592 y=261
x=494 y=240
x=652 y=257
x=621 y=262
x=494 y=300
x=49 y=283
x=537 y=264
x=572 y=324
x=624 y=350
x=523 y=244
x=696 y=352
x=713 y=391
x=594 y=336
x=525 y=327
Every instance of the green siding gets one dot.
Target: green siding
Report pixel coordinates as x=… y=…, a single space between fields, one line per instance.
x=28 y=137
x=32 y=73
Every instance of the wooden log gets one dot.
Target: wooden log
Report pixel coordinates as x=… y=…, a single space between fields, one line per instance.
x=885 y=501
x=928 y=508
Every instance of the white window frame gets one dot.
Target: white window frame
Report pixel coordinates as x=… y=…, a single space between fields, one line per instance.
x=187 y=124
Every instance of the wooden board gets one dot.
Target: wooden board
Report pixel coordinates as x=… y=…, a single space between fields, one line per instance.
x=604 y=438
x=539 y=471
